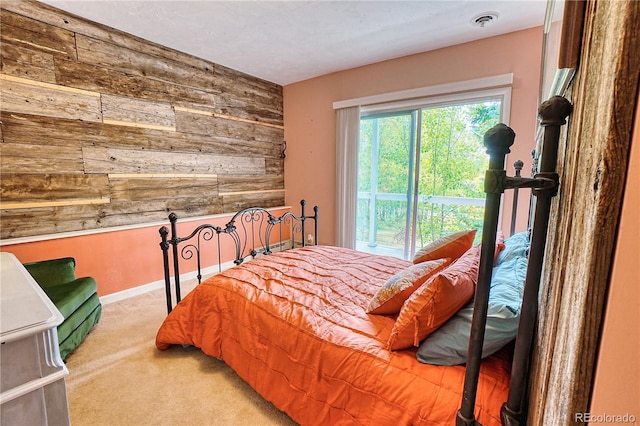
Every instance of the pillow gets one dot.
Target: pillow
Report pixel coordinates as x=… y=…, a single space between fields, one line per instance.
x=448 y=345
x=499 y=246
x=437 y=300
x=389 y=299
x=516 y=245
x=451 y=246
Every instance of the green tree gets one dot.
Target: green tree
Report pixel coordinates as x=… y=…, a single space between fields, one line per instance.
x=451 y=161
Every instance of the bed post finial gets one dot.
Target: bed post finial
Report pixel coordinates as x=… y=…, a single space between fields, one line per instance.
x=552 y=114
x=554 y=111
x=518 y=165
x=499 y=139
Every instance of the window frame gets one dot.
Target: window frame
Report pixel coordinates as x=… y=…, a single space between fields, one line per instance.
x=480 y=88
x=413 y=107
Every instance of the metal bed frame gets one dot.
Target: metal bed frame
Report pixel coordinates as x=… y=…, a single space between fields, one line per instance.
x=544 y=184
x=252 y=230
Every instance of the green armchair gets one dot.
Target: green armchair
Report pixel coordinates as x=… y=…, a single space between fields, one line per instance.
x=76 y=299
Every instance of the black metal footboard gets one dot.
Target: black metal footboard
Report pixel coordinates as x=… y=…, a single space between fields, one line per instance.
x=249 y=233
x=545 y=184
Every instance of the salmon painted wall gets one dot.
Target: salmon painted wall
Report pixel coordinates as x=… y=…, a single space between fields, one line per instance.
x=616 y=389
x=309 y=117
x=121 y=259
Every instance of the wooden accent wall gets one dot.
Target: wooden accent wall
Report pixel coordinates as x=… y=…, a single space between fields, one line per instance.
x=100 y=128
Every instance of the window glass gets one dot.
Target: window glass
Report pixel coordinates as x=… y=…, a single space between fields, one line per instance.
x=420 y=174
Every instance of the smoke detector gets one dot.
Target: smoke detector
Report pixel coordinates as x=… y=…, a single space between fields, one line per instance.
x=484 y=19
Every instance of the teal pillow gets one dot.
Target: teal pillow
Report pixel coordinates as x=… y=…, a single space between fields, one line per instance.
x=516 y=245
x=448 y=345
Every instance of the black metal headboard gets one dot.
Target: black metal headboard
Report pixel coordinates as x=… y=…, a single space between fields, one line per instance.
x=253 y=231
x=544 y=185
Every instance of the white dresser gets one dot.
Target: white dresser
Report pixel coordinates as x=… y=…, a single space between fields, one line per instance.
x=32 y=389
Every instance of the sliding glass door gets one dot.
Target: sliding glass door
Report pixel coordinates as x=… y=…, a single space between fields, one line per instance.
x=420 y=174
x=386 y=164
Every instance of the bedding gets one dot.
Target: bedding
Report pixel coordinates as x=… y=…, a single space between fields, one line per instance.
x=449 y=344
x=295 y=326
x=436 y=301
x=450 y=246
x=394 y=293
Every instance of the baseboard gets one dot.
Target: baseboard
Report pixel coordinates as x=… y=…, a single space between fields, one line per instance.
x=156 y=285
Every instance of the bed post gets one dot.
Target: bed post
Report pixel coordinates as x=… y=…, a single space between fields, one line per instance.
x=173 y=218
x=545 y=185
x=517 y=165
x=164 y=245
x=302 y=219
x=497 y=140
x=552 y=114
x=315 y=225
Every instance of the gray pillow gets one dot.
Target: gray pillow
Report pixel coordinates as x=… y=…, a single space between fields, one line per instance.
x=448 y=345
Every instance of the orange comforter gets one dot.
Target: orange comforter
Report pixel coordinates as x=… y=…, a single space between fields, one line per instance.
x=293 y=325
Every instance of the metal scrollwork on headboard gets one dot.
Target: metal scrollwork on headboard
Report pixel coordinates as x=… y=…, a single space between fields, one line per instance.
x=251 y=231
x=246 y=236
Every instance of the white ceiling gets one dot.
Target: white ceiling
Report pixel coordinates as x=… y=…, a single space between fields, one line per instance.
x=289 y=41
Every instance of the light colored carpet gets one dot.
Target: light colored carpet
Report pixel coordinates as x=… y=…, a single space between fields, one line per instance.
x=118 y=377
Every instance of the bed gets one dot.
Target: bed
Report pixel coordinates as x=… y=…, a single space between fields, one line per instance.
x=331 y=335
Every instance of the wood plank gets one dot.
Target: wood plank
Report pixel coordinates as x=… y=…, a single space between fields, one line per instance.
x=26 y=32
x=32 y=97
x=189 y=122
x=56 y=219
x=253 y=192
x=258 y=107
x=162 y=176
x=34 y=188
x=27 y=63
x=238 y=83
x=113 y=160
x=226 y=117
x=25 y=128
x=114 y=82
x=108 y=55
x=160 y=187
x=137 y=111
x=235 y=183
x=248 y=97
x=56 y=203
x=274 y=166
x=40 y=159
x=139 y=125
x=234 y=203
x=51 y=86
